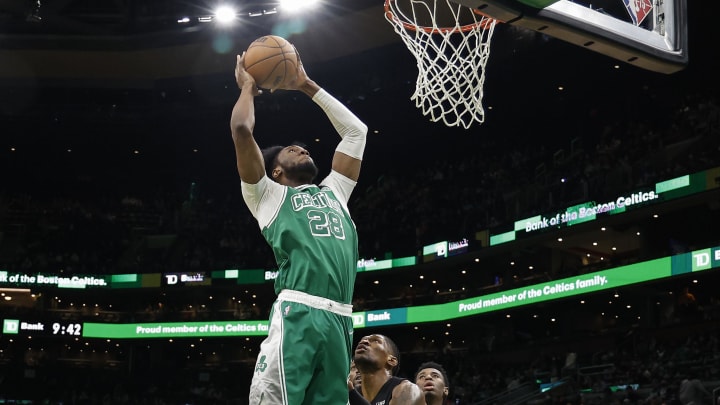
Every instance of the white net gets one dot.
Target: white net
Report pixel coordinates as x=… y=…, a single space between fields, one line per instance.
x=450 y=58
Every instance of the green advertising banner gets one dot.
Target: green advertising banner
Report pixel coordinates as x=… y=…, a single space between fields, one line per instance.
x=175 y=329
x=567 y=287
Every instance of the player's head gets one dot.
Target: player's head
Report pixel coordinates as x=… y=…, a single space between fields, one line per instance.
x=355 y=375
x=289 y=164
x=375 y=352
x=432 y=378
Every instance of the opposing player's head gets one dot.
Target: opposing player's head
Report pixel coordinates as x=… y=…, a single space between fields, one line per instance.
x=377 y=352
x=289 y=165
x=433 y=380
x=355 y=377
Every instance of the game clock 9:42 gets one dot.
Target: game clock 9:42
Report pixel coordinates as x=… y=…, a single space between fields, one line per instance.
x=67 y=329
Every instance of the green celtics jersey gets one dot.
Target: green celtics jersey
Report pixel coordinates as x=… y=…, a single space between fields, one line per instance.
x=312 y=236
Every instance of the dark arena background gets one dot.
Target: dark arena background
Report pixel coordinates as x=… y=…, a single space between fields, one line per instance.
x=566 y=251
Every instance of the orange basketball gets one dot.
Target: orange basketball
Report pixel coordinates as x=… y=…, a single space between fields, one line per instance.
x=272 y=61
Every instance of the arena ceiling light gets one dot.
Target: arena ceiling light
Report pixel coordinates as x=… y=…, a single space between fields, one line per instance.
x=297 y=5
x=225 y=15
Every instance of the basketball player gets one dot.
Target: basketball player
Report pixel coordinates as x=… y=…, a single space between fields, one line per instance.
x=376 y=359
x=354 y=379
x=433 y=380
x=305 y=358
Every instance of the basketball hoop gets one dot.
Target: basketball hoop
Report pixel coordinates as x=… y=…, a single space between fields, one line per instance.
x=451 y=45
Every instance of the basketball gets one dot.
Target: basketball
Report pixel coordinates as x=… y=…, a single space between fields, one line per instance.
x=272 y=61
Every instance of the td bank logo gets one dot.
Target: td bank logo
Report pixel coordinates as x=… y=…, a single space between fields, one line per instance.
x=705 y=259
x=358 y=320
x=11 y=326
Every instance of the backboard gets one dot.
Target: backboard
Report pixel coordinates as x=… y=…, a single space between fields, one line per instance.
x=650 y=34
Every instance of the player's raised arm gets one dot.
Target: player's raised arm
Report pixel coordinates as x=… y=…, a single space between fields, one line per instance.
x=348 y=154
x=407 y=393
x=250 y=164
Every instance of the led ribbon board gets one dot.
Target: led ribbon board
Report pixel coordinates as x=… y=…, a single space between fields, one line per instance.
x=678 y=187
x=589 y=211
x=669 y=266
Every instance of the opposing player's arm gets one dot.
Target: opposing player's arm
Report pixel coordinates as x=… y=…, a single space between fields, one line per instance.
x=250 y=164
x=407 y=393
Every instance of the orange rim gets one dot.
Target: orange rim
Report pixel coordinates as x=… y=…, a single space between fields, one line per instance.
x=483 y=24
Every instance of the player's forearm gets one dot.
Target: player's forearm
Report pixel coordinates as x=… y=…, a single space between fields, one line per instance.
x=242 y=120
x=346 y=123
x=350 y=128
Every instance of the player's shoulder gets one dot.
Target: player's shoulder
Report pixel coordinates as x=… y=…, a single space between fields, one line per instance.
x=407 y=392
x=336 y=179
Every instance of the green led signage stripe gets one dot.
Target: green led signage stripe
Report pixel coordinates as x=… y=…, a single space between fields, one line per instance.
x=589 y=211
x=373 y=265
x=146 y=280
x=251 y=276
x=696 y=261
x=174 y=330
x=438 y=249
x=672 y=184
x=502 y=238
x=690 y=184
x=125 y=279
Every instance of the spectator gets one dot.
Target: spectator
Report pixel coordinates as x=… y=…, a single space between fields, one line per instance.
x=693 y=392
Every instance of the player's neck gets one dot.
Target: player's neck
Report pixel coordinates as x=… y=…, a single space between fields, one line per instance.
x=431 y=400
x=294 y=184
x=373 y=382
x=294 y=181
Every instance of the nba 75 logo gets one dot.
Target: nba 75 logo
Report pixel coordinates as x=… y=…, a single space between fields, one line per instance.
x=638 y=10
x=261 y=365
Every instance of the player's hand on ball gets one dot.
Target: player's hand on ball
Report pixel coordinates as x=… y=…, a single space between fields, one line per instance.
x=242 y=76
x=300 y=78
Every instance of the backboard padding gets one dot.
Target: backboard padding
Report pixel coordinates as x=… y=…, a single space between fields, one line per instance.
x=663 y=50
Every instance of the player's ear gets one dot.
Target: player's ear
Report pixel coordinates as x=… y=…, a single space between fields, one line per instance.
x=392 y=360
x=276 y=173
x=445 y=392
